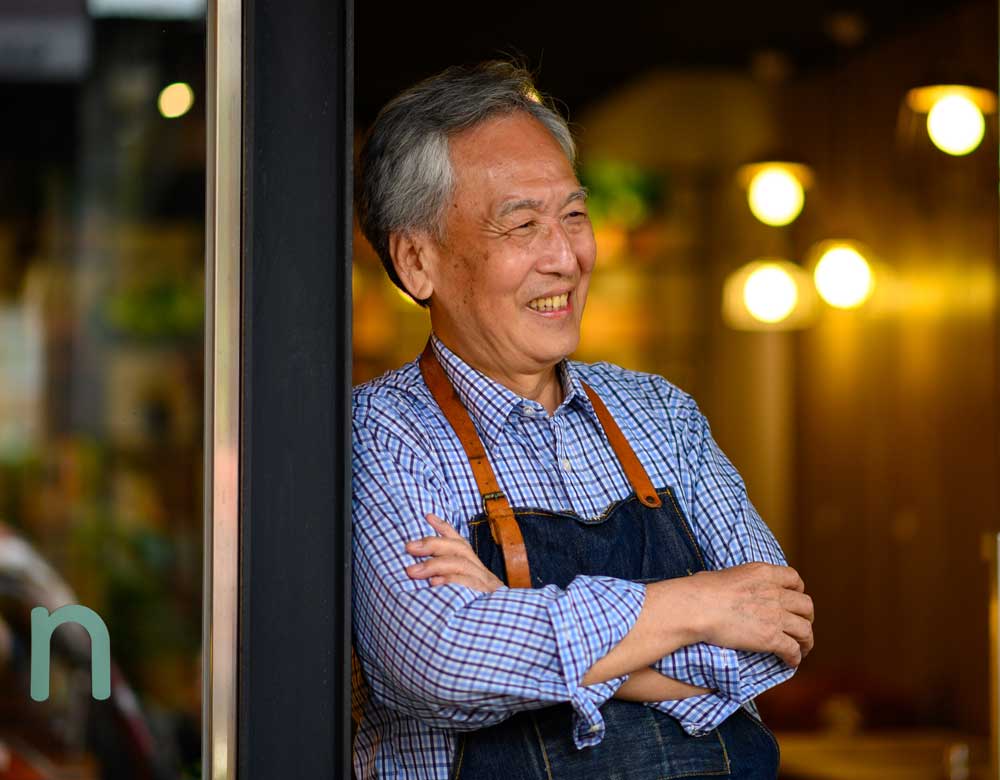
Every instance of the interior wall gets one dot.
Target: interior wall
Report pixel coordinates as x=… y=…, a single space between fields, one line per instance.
x=693 y=129
x=896 y=405
x=869 y=441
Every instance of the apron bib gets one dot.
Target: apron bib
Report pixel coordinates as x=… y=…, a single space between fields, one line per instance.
x=644 y=538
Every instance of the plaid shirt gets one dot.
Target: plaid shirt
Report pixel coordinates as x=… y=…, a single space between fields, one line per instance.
x=444 y=659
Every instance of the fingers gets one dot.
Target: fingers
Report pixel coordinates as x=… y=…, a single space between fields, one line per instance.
x=454 y=569
x=782 y=576
x=459 y=579
x=806 y=645
x=439 y=545
x=449 y=559
x=788 y=650
x=797 y=628
x=806 y=642
x=759 y=607
x=798 y=604
x=787 y=577
x=442 y=564
x=443 y=527
x=454 y=542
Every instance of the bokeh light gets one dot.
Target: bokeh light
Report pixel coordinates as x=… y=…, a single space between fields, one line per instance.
x=956 y=125
x=770 y=293
x=844 y=277
x=776 y=196
x=175 y=100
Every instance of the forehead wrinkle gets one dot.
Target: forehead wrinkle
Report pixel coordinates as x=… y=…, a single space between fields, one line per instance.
x=517 y=205
x=533 y=204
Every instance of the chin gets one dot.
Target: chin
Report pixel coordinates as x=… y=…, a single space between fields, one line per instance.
x=552 y=351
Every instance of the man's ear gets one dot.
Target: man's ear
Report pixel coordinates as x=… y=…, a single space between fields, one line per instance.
x=413 y=257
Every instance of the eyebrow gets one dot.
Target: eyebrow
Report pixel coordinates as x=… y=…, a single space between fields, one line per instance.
x=535 y=205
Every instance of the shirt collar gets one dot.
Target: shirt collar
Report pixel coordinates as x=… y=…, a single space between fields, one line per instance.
x=490 y=404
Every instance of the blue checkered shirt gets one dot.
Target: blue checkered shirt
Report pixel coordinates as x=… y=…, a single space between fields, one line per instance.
x=435 y=661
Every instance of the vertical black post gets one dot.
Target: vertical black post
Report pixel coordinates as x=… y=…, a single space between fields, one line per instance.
x=294 y=620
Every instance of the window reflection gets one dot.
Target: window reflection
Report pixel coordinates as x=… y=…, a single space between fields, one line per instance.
x=101 y=371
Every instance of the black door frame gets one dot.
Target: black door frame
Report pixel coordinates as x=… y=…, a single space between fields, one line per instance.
x=278 y=350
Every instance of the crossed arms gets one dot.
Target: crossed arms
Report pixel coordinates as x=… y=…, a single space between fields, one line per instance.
x=756 y=606
x=461 y=658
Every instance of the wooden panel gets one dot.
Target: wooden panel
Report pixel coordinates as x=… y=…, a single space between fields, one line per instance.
x=896 y=471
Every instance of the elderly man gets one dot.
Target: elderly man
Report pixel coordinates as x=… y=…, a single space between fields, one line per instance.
x=557 y=574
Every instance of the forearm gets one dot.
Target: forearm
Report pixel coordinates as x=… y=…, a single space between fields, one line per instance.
x=668 y=621
x=458 y=659
x=697 y=621
x=648 y=685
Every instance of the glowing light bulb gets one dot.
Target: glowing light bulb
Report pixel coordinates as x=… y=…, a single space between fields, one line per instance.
x=770 y=293
x=955 y=124
x=175 y=100
x=843 y=277
x=776 y=196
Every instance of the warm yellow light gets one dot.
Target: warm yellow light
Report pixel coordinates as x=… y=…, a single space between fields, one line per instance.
x=770 y=293
x=956 y=124
x=776 y=196
x=175 y=100
x=922 y=99
x=843 y=277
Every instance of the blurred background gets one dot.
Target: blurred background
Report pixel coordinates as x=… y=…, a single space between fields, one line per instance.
x=796 y=207
x=102 y=225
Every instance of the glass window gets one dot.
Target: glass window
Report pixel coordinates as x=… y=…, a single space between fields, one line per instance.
x=102 y=225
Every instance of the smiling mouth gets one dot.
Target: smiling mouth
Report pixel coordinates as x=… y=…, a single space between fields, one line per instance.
x=552 y=303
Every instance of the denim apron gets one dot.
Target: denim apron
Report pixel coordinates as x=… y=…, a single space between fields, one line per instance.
x=644 y=538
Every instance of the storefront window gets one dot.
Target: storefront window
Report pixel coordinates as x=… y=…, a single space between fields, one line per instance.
x=102 y=226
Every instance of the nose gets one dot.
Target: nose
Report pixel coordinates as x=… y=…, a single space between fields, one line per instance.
x=556 y=253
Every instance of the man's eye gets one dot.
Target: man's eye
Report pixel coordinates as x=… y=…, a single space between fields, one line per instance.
x=576 y=214
x=524 y=227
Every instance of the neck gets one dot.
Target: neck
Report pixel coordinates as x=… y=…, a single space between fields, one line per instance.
x=542 y=386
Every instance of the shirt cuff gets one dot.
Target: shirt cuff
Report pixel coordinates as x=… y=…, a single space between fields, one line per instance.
x=593 y=615
x=737 y=677
x=706 y=666
x=698 y=715
x=759 y=672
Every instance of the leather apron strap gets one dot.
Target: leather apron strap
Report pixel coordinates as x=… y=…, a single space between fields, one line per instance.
x=506 y=532
x=630 y=464
x=503 y=525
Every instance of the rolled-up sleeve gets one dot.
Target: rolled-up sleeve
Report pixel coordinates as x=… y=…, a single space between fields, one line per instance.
x=730 y=533
x=453 y=657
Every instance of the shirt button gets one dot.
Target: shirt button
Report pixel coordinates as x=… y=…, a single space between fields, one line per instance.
x=566 y=465
x=528 y=411
x=594 y=729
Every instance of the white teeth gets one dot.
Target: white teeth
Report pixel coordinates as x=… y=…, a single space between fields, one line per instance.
x=550 y=304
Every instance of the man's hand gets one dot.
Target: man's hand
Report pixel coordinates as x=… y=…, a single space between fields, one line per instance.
x=451 y=559
x=756 y=607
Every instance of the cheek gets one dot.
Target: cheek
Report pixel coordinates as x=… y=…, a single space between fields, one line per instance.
x=506 y=277
x=461 y=281
x=482 y=287
x=585 y=249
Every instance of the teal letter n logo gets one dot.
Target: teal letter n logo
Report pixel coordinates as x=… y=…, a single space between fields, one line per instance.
x=43 y=625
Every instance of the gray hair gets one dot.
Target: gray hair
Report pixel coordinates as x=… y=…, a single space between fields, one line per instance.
x=405 y=172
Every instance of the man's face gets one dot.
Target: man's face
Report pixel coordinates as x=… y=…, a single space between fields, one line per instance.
x=518 y=249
